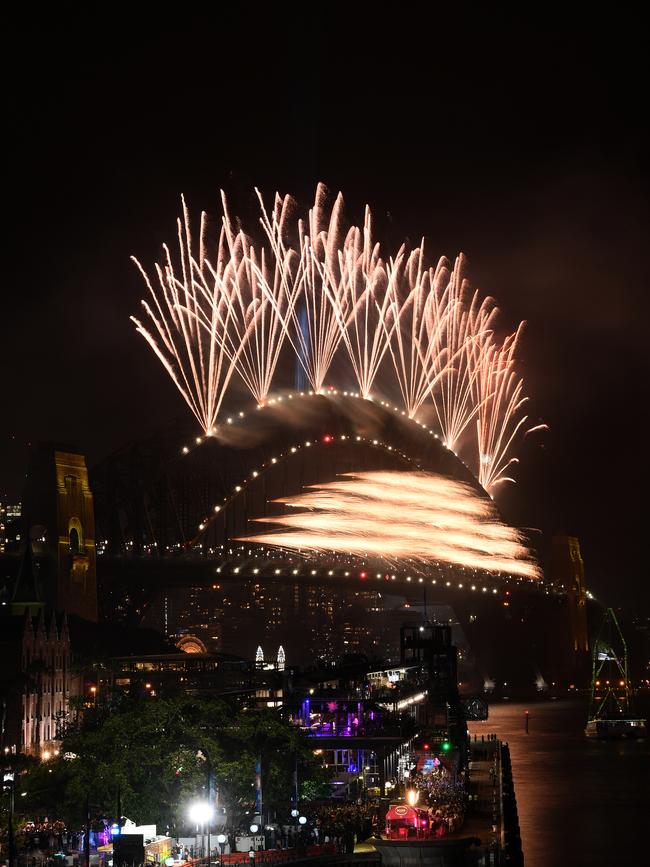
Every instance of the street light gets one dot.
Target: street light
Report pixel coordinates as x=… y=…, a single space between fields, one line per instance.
x=9 y=780
x=200 y=813
x=254 y=828
x=295 y=813
x=221 y=840
x=302 y=820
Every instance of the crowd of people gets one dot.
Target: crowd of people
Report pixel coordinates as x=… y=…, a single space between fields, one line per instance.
x=337 y=825
x=346 y=824
x=444 y=798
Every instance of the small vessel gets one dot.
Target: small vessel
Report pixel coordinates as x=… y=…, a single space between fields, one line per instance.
x=611 y=710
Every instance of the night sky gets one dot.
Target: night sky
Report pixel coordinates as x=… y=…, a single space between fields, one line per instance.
x=522 y=145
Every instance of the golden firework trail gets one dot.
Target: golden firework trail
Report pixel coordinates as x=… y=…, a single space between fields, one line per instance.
x=402 y=517
x=417 y=350
x=364 y=306
x=260 y=297
x=188 y=319
x=499 y=399
x=465 y=329
x=318 y=336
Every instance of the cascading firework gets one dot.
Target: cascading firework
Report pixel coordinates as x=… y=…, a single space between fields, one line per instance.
x=402 y=517
x=315 y=285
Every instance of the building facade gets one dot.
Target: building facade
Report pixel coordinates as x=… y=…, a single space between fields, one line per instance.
x=36 y=682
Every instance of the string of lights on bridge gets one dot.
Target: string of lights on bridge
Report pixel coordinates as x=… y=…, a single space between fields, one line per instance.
x=333 y=392
x=325 y=439
x=328 y=439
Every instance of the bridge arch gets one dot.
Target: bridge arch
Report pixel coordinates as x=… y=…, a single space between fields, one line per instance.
x=174 y=492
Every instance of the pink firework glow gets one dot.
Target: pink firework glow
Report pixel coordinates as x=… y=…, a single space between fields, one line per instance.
x=412 y=517
x=319 y=286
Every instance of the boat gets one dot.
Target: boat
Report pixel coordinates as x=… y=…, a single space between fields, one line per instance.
x=616 y=728
x=611 y=709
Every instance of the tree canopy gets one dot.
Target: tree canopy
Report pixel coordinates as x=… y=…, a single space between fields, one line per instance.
x=160 y=754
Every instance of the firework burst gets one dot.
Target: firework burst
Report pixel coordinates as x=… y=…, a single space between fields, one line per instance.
x=188 y=341
x=417 y=350
x=467 y=325
x=364 y=306
x=231 y=307
x=499 y=399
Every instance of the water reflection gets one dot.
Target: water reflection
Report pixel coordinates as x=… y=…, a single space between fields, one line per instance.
x=580 y=801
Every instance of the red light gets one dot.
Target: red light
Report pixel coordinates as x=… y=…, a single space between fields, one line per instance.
x=425 y=746
x=327 y=438
x=363 y=574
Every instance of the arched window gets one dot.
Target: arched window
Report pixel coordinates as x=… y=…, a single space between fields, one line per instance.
x=74 y=541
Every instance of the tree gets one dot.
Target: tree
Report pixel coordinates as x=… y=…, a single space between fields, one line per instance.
x=160 y=753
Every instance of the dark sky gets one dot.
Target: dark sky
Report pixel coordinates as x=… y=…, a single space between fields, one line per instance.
x=522 y=144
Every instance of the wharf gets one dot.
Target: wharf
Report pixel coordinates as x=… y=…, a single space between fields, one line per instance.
x=489 y=835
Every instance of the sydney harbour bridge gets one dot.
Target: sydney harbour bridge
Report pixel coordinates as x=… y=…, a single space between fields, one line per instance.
x=175 y=511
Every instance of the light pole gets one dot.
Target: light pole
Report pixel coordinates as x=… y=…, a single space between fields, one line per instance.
x=221 y=840
x=9 y=779
x=294 y=815
x=200 y=813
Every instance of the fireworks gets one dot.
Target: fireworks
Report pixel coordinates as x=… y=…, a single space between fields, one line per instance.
x=314 y=284
x=401 y=517
x=191 y=345
x=466 y=328
x=418 y=353
x=499 y=399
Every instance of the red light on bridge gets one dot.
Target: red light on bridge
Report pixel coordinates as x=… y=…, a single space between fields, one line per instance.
x=363 y=574
x=327 y=438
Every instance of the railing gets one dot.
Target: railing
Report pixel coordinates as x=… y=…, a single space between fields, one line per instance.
x=267 y=856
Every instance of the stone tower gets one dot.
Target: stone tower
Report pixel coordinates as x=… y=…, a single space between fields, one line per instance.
x=568 y=574
x=60 y=520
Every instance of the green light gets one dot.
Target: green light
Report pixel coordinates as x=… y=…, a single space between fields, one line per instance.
x=445 y=746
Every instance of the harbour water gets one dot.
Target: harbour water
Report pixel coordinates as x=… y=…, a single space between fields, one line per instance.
x=580 y=801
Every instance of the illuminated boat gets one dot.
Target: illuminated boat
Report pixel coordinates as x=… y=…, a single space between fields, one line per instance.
x=611 y=711
x=616 y=728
